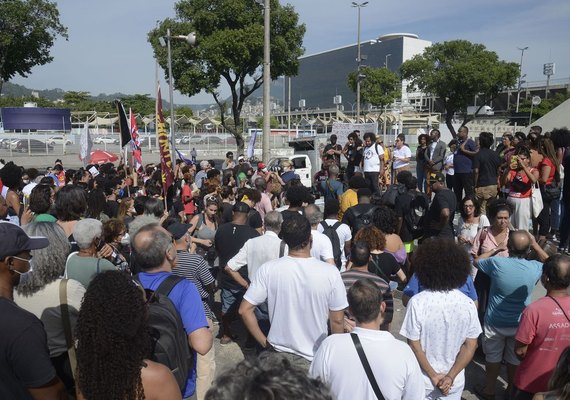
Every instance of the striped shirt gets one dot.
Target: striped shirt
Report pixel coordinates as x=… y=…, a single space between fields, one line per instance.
x=351 y=276
x=194 y=268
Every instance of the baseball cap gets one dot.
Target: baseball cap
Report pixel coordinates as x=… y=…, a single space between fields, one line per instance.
x=178 y=229
x=436 y=177
x=241 y=207
x=15 y=240
x=241 y=157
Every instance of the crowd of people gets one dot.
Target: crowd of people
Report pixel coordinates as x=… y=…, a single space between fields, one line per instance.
x=111 y=282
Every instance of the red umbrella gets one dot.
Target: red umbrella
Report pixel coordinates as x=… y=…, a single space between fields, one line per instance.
x=102 y=157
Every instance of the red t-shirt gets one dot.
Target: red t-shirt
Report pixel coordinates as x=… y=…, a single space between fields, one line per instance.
x=189 y=206
x=546 y=162
x=546 y=330
x=521 y=186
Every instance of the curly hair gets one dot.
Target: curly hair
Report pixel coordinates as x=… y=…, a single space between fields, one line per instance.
x=373 y=236
x=11 y=175
x=496 y=206
x=441 y=264
x=385 y=219
x=40 y=199
x=113 y=338
x=49 y=262
x=269 y=378
x=476 y=204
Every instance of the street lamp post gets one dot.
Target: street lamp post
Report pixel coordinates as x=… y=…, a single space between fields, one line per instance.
x=522 y=50
x=191 y=40
x=386 y=61
x=266 y=82
x=358 y=59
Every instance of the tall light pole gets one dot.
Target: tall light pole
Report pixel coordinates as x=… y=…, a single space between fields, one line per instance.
x=191 y=40
x=522 y=50
x=386 y=61
x=358 y=59
x=266 y=83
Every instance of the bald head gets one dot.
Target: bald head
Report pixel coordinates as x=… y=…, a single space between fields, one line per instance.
x=150 y=247
x=519 y=243
x=556 y=272
x=313 y=214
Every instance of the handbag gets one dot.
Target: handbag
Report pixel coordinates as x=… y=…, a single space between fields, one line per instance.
x=536 y=201
x=366 y=366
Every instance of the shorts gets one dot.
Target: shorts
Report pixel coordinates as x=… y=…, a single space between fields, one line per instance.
x=231 y=299
x=499 y=345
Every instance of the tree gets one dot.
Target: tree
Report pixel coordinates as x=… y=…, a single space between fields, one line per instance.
x=140 y=103
x=76 y=100
x=456 y=72
x=185 y=110
x=378 y=86
x=229 y=50
x=545 y=106
x=28 y=30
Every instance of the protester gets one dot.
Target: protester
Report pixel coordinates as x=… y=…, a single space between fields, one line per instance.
x=372 y=161
x=559 y=384
x=470 y=222
x=439 y=218
x=25 y=365
x=543 y=331
x=549 y=181
x=289 y=284
x=203 y=230
x=333 y=149
x=41 y=202
x=350 y=197
x=385 y=219
x=70 y=205
x=332 y=188
x=441 y=323
x=486 y=169
x=336 y=362
x=362 y=213
x=421 y=161
x=113 y=344
x=114 y=234
x=463 y=164
x=401 y=156
x=435 y=155
x=353 y=153
x=321 y=245
x=343 y=233
x=448 y=164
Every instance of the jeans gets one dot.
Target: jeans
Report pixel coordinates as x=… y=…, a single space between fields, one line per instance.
x=421 y=175
x=544 y=218
x=555 y=214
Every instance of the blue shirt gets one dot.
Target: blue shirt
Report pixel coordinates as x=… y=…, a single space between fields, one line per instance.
x=462 y=163
x=286 y=177
x=413 y=287
x=334 y=191
x=187 y=301
x=512 y=283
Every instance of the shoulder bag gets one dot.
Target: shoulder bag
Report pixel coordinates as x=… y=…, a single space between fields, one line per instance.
x=366 y=366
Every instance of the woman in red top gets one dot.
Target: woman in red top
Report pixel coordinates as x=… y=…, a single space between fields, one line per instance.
x=187 y=198
x=549 y=177
x=519 y=178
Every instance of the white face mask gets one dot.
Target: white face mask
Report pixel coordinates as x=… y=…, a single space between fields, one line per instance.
x=125 y=240
x=24 y=276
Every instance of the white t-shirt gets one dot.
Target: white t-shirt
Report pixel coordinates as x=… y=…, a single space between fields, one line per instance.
x=300 y=293
x=392 y=361
x=441 y=321
x=371 y=159
x=344 y=235
x=44 y=304
x=404 y=152
x=322 y=247
x=449 y=160
x=256 y=252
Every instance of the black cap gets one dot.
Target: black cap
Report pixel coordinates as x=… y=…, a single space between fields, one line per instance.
x=15 y=240
x=436 y=177
x=241 y=207
x=178 y=229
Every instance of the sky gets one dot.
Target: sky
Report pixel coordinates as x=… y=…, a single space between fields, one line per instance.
x=108 y=52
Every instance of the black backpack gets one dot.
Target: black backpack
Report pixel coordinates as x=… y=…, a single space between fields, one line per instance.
x=170 y=343
x=331 y=233
x=363 y=219
x=414 y=220
x=393 y=191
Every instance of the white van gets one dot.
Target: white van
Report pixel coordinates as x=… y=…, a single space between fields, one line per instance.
x=302 y=165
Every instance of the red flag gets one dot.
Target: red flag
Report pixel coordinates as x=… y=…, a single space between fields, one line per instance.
x=165 y=159
x=135 y=144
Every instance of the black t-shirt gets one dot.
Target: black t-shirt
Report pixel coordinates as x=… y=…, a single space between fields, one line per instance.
x=384 y=265
x=24 y=355
x=112 y=208
x=488 y=162
x=229 y=239
x=445 y=198
x=287 y=213
x=354 y=156
x=353 y=212
x=226 y=213
x=402 y=207
x=336 y=147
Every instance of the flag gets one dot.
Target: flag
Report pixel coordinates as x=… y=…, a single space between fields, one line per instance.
x=123 y=124
x=182 y=156
x=251 y=144
x=135 y=144
x=85 y=144
x=165 y=159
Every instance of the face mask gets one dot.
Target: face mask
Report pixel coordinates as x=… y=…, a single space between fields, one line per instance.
x=125 y=239
x=25 y=276
x=26 y=181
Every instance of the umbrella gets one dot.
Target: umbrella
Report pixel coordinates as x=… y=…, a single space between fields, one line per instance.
x=102 y=157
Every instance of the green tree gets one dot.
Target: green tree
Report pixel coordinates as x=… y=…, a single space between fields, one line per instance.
x=185 y=110
x=77 y=100
x=28 y=30
x=273 y=122
x=378 y=86
x=140 y=103
x=229 y=50
x=456 y=72
x=545 y=106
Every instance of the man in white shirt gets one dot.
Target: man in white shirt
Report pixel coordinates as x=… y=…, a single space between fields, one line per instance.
x=302 y=293
x=401 y=156
x=332 y=208
x=372 y=161
x=322 y=248
x=441 y=323
x=392 y=362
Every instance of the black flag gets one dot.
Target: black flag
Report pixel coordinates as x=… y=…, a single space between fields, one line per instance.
x=123 y=124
